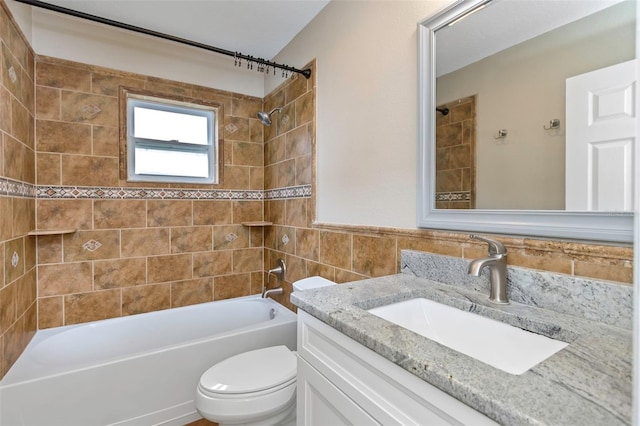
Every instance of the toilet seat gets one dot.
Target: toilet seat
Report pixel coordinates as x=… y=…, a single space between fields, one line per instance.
x=248 y=387
x=255 y=372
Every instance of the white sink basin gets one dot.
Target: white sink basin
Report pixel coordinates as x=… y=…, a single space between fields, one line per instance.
x=500 y=345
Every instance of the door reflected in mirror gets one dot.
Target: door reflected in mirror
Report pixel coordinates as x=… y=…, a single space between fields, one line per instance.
x=534 y=107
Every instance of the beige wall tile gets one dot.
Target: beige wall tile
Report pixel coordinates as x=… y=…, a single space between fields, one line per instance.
x=248 y=260
x=48 y=167
x=236 y=177
x=6 y=210
x=119 y=214
x=23 y=216
x=48 y=103
x=236 y=128
x=305 y=109
x=538 y=260
x=49 y=249
x=213 y=263
x=246 y=107
x=5 y=110
x=169 y=268
x=63 y=77
x=190 y=292
x=61 y=137
x=89 y=109
x=211 y=212
x=146 y=298
x=191 y=239
x=374 y=256
x=119 y=273
x=248 y=154
x=84 y=170
x=275 y=150
x=8 y=307
x=620 y=271
x=109 y=83
x=105 y=141
x=91 y=306
x=308 y=243
x=65 y=278
x=247 y=211
x=13 y=260
x=60 y=214
x=299 y=141
x=169 y=213
x=229 y=286
x=285 y=239
x=296 y=212
x=91 y=245
x=50 y=312
x=335 y=249
x=21 y=123
x=15 y=155
x=26 y=291
x=145 y=242
x=230 y=237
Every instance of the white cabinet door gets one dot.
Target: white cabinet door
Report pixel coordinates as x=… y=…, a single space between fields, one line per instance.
x=320 y=403
x=601 y=138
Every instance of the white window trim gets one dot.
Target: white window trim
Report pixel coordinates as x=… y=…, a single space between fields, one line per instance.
x=164 y=104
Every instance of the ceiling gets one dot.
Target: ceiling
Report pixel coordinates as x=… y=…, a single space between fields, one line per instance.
x=260 y=28
x=505 y=23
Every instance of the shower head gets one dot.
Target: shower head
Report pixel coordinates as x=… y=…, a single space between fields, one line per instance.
x=443 y=111
x=265 y=117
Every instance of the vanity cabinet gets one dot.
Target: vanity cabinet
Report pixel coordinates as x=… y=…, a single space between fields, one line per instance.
x=341 y=382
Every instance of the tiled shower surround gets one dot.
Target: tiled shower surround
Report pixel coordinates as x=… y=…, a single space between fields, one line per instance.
x=144 y=247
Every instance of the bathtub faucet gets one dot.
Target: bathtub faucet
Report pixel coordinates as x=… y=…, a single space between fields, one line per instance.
x=266 y=293
x=496 y=261
x=280 y=270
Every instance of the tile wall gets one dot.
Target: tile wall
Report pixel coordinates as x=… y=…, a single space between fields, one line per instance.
x=17 y=193
x=138 y=247
x=455 y=155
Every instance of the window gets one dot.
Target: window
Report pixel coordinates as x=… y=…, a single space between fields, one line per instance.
x=171 y=141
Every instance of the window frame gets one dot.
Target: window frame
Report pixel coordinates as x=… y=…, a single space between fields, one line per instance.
x=153 y=100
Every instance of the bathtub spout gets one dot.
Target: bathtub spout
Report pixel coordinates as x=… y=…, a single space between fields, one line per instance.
x=278 y=290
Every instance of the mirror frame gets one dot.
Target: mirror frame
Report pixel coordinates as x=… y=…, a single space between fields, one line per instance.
x=581 y=225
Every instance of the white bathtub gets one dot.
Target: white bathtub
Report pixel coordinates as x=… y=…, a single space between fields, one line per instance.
x=136 y=370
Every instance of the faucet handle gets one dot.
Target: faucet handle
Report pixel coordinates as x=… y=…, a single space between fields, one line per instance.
x=495 y=247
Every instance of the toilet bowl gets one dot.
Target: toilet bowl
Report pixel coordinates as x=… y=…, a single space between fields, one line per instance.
x=255 y=388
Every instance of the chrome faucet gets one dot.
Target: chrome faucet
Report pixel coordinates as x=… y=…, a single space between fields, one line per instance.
x=278 y=271
x=497 y=264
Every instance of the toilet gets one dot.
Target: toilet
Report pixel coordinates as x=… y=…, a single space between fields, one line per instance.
x=254 y=388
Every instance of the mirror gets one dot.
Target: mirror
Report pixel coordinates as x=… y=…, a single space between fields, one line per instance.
x=494 y=118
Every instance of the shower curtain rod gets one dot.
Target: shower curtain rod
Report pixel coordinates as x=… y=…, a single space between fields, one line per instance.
x=239 y=57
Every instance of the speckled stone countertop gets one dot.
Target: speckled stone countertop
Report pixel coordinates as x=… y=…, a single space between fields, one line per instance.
x=587 y=383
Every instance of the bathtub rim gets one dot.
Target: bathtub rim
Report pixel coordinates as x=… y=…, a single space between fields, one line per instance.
x=286 y=316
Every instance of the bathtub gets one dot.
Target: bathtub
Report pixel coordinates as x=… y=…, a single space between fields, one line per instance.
x=136 y=370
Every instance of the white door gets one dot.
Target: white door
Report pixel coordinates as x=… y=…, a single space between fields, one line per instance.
x=601 y=138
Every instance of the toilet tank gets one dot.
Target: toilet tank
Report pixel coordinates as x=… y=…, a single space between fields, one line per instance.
x=311 y=282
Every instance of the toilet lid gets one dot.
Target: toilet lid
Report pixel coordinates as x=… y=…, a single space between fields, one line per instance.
x=252 y=371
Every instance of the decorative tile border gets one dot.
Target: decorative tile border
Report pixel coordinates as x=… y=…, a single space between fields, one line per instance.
x=17 y=189
x=290 y=192
x=21 y=189
x=454 y=196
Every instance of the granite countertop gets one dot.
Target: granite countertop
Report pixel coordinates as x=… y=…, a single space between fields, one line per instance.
x=587 y=383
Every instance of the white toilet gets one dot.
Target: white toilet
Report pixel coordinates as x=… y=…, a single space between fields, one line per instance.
x=256 y=387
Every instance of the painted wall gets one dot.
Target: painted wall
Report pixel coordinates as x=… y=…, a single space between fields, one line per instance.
x=367 y=106
x=74 y=39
